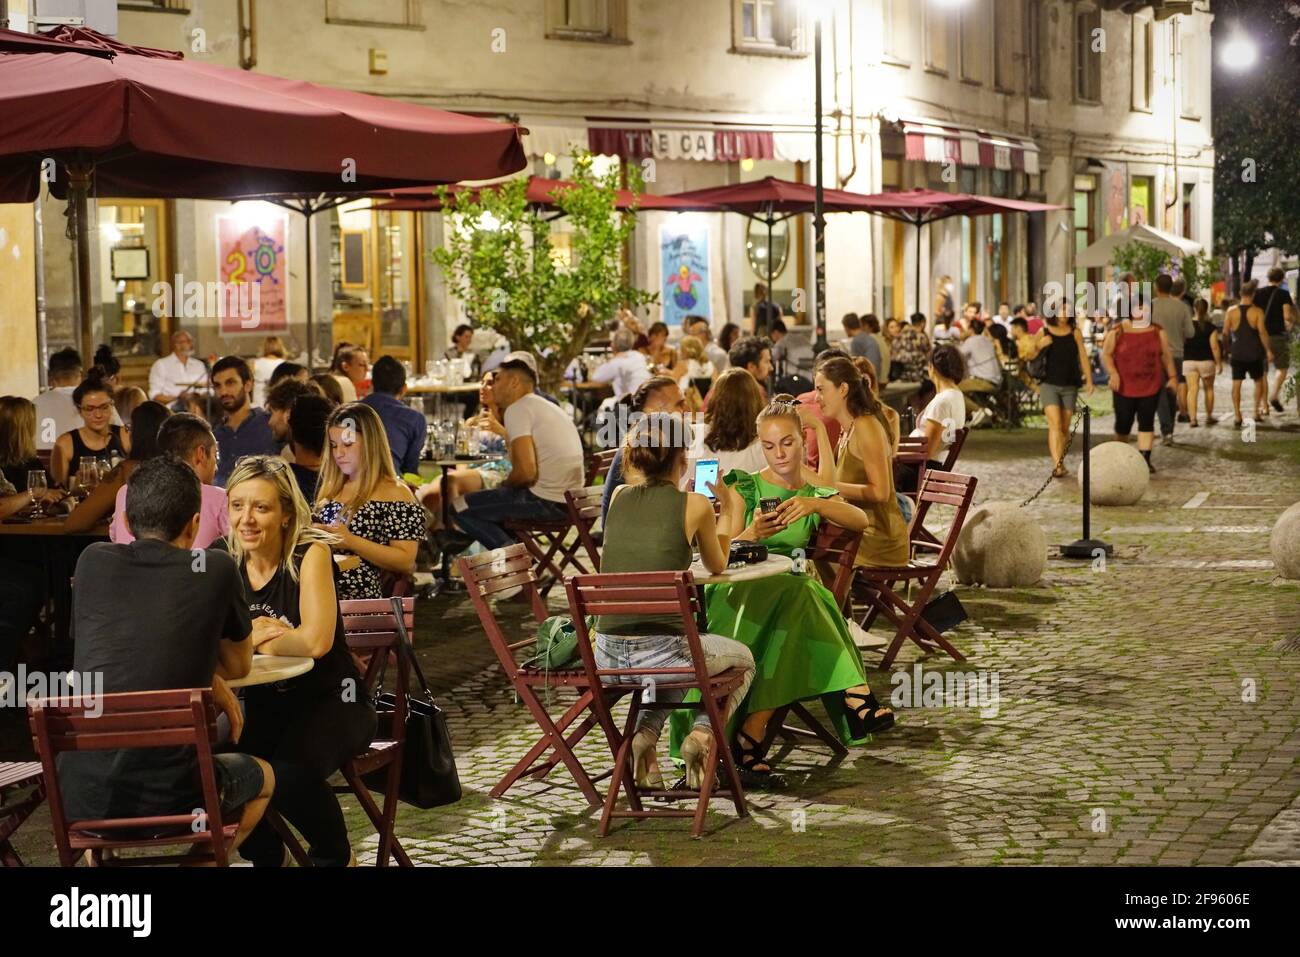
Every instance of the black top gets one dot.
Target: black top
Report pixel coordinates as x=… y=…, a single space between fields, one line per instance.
x=306 y=479
x=1245 y=345
x=382 y=522
x=279 y=598
x=765 y=313
x=1197 y=347
x=1063 y=360
x=80 y=449
x=1274 y=300
x=17 y=473
x=181 y=603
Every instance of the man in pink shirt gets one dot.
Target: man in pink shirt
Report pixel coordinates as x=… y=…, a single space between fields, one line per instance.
x=189 y=438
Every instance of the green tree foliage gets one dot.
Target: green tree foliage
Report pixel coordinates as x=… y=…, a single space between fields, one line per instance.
x=501 y=263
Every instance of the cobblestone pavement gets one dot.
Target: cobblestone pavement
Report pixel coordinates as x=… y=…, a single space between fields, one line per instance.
x=1143 y=713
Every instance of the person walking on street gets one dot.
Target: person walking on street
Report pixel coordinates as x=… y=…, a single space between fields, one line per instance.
x=1248 y=350
x=1172 y=315
x=1141 y=365
x=1202 y=360
x=1067 y=370
x=1279 y=319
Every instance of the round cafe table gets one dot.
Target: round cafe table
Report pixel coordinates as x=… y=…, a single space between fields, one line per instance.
x=268 y=669
x=771 y=566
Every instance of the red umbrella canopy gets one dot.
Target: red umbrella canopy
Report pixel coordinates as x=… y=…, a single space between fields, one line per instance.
x=156 y=125
x=921 y=206
x=540 y=192
x=769 y=196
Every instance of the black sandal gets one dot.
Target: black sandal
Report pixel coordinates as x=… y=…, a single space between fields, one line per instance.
x=868 y=717
x=747 y=759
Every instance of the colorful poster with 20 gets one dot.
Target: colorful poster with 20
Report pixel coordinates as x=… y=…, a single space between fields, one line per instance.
x=252 y=261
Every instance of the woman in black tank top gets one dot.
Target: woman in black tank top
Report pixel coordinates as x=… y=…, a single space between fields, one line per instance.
x=1202 y=361
x=305 y=727
x=96 y=438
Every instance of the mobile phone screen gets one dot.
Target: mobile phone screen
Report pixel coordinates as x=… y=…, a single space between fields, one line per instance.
x=706 y=471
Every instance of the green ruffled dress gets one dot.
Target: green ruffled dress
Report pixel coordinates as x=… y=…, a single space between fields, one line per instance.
x=801 y=644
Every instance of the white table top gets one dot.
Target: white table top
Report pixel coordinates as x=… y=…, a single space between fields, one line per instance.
x=774 y=565
x=268 y=669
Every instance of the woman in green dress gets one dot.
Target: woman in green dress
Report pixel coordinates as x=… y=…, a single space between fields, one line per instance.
x=801 y=644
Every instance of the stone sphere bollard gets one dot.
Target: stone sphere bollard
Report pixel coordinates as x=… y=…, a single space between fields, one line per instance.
x=1000 y=546
x=1285 y=543
x=1119 y=474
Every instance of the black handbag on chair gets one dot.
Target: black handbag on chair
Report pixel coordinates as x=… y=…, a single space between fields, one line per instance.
x=429 y=775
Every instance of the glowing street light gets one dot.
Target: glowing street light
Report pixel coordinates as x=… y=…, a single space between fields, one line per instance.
x=1240 y=52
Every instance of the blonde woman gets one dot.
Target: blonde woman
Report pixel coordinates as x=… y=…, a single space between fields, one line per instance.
x=305 y=727
x=273 y=353
x=360 y=500
x=18 y=440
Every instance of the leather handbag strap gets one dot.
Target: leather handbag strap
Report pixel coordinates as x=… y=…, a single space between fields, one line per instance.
x=404 y=640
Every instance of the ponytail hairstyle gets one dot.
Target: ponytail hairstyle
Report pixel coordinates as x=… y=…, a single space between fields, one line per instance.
x=653 y=446
x=861 y=396
x=107 y=363
x=783 y=406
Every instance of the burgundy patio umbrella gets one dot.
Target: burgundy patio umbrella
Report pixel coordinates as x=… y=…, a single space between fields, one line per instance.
x=540 y=193
x=133 y=121
x=771 y=201
x=920 y=207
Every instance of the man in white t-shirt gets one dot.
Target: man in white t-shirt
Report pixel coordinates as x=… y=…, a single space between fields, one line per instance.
x=983 y=370
x=546 y=458
x=56 y=413
x=627 y=369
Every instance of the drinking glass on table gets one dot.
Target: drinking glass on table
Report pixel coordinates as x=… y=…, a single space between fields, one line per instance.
x=88 y=475
x=37 y=486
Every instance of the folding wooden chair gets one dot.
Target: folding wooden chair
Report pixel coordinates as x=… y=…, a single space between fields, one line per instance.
x=655 y=593
x=485 y=575
x=144 y=719
x=584 y=512
x=833 y=552
x=875 y=587
x=547 y=541
x=370 y=628
x=598 y=464
x=14 y=779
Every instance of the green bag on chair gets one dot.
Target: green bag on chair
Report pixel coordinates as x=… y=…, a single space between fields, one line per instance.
x=557 y=645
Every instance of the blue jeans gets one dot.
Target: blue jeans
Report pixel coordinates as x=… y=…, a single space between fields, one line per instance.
x=485 y=511
x=671 y=651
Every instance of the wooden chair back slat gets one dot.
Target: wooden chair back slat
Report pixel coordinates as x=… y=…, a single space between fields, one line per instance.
x=838 y=547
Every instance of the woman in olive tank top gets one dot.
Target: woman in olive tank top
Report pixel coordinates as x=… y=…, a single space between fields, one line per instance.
x=650 y=527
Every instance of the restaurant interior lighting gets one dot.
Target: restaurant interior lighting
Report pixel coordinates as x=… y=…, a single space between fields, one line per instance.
x=746 y=164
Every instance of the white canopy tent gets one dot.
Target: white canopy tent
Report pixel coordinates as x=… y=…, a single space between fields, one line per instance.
x=1102 y=251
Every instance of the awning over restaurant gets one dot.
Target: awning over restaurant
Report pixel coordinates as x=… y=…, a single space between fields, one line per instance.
x=933 y=141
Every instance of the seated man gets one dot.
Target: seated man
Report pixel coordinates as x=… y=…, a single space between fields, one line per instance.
x=279 y=400
x=245 y=430
x=307 y=432
x=754 y=355
x=546 y=458
x=187 y=437
x=406 y=429
x=983 y=370
x=859 y=340
x=179 y=629
x=626 y=370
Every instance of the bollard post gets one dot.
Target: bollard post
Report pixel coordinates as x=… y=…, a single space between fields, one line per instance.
x=1086 y=547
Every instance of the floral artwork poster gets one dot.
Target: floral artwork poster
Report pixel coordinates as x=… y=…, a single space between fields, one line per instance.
x=253 y=255
x=684 y=272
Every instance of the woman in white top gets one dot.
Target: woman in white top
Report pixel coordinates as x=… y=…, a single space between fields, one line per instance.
x=943 y=415
x=730 y=432
x=273 y=353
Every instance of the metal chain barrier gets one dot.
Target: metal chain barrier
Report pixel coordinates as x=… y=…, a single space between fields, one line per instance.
x=1074 y=428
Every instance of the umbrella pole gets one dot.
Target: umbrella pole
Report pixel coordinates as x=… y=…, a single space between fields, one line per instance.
x=769 y=269
x=311 y=324
x=79 y=183
x=918 y=267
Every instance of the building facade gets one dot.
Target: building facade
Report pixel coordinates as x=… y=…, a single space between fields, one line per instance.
x=1102 y=112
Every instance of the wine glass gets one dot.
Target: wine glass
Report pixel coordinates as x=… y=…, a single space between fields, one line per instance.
x=37 y=485
x=88 y=474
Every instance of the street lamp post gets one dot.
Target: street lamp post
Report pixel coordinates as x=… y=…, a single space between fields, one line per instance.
x=819 y=211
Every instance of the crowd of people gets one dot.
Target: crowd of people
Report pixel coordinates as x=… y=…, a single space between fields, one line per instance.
x=300 y=495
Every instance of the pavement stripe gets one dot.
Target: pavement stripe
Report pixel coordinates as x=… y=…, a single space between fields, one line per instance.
x=1197 y=500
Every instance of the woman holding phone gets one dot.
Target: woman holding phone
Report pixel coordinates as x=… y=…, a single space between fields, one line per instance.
x=792 y=624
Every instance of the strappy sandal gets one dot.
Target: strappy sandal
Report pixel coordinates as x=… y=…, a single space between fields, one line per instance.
x=869 y=717
x=745 y=751
x=1058 y=472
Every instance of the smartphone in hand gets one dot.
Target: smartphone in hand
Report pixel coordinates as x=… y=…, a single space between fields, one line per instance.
x=768 y=505
x=706 y=472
